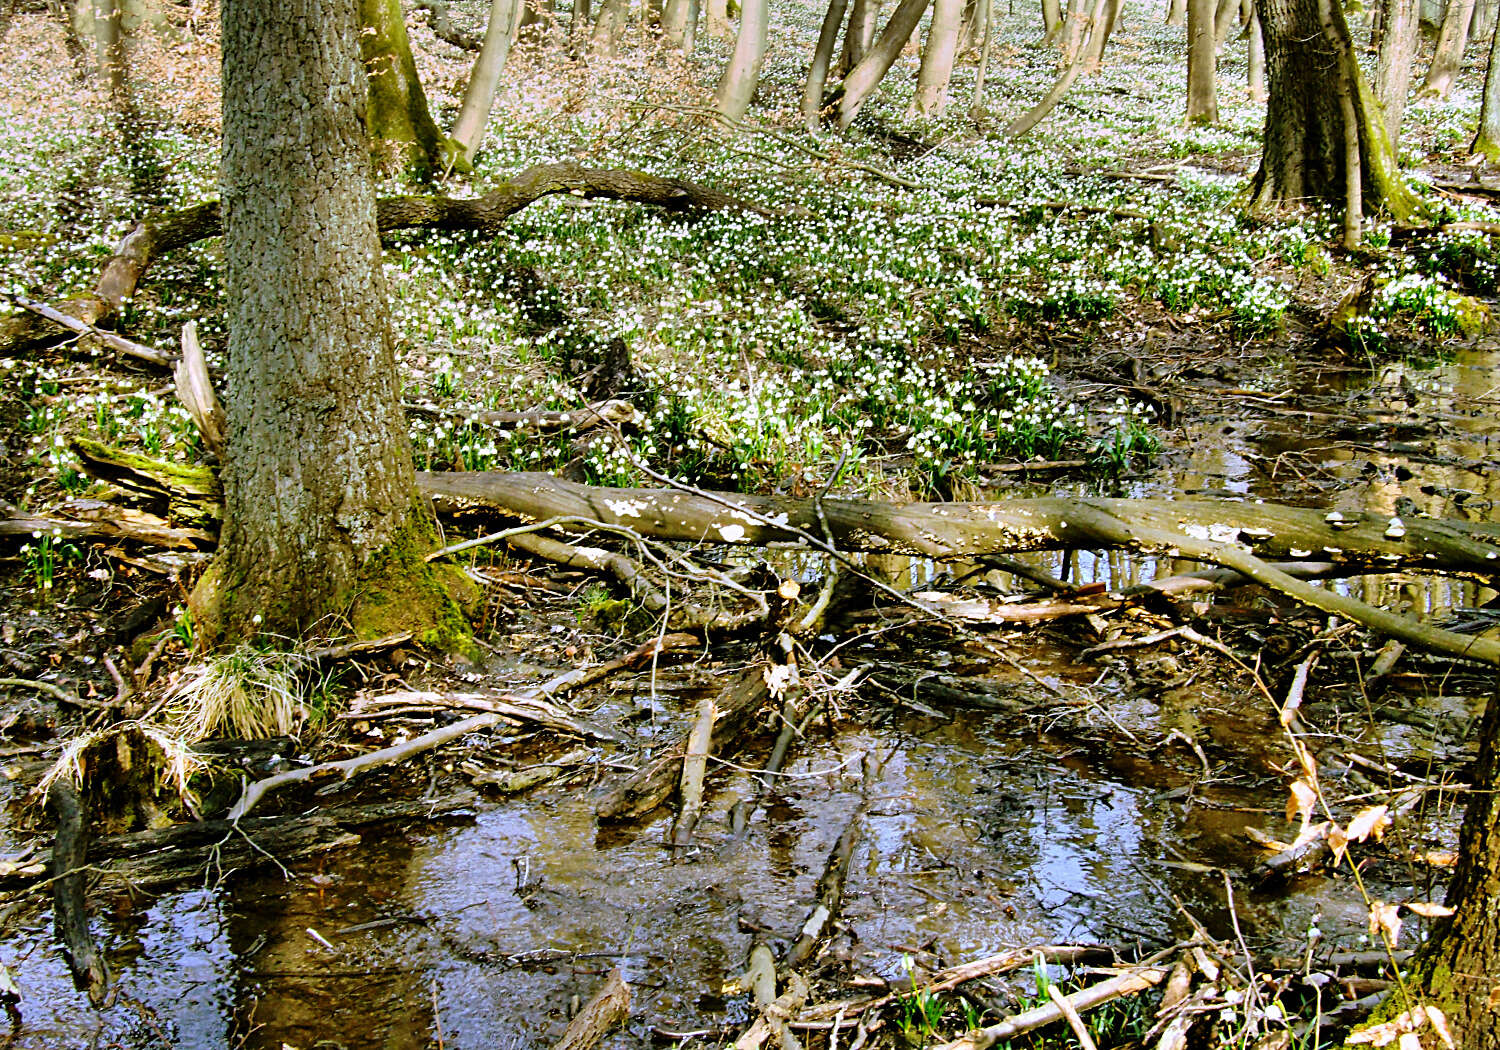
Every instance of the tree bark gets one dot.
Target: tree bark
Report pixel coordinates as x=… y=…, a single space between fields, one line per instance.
x=1051 y=19
x=871 y=69
x=403 y=136
x=1459 y=968
x=1448 y=55
x=674 y=22
x=931 y=97
x=1398 y=46
x=1093 y=54
x=817 y=73
x=1176 y=12
x=321 y=515
x=987 y=9
x=1256 y=72
x=479 y=94
x=716 y=19
x=1034 y=116
x=1202 y=65
x=737 y=85
x=1487 y=137
x=864 y=19
x=1305 y=158
x=608 y=26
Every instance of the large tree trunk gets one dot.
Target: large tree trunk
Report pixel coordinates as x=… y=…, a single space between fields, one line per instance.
x=1313 y=151
x=322 y=518
x=609 y=26
x=1051 y=19
x=817 y=73
x=1487 y=138
x=1459 y=968
x=737 y=85
x=674 y=21
x=931 y=97
x=878 y=61
x=479 y=94
x=1448 y=56
x=1202 y=65
x=401 y=130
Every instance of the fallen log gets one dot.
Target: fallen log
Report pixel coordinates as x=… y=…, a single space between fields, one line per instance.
x=1232 y=534
x=152 y=238
x=69 y=869
x=651 y=786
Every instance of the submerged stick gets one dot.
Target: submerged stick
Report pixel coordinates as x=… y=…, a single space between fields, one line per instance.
x=609 y=1006
x=69 y=863
x=694 y=766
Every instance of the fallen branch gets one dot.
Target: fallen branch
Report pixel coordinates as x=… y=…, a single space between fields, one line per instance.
x=609 y=1007
x=152 y=238
x=651 y=786
x=516 y=708
x=1082 y=1000
x=694 y=765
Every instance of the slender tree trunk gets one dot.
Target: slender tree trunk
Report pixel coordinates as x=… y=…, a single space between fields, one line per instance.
x=882 y=55
x=1398 y=46
x=1224 y=16
x=1032 y=117
x=1487 y=138
x=987 y=9
x=1051 y=19
x=1448 y=55
x=1075 y=28
x=479 y=95
x=322 y=518
x=609 y=25
x=1176 y=12
x=690 y=30
x=1312 y=69
x=1203 y=63
x=1093 y=54
x=931 y=97
x=817 y=73
x=737 y=85
x=864 y=19
x=402 y=134
x=1256 y=74
x=716 y=19
x=674 y=17
x=1458 y=969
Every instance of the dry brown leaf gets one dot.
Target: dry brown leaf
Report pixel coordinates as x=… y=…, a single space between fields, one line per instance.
x=1439 y=1022
x=1439 y=858
x=1338 y=841
x=1376 y=1035
x=1369 y=822
x=1303 y=797
x=1428 y=909
x=1311 y=833
x=1386 y=917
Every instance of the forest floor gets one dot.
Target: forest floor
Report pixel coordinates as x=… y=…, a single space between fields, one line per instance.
x=951 y=305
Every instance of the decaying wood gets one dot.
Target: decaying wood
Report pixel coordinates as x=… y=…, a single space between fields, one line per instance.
x=129 y=347
x=196 y=391
x=609 y=1006
x=829 y=894
x=1084 y=999
x=152 y=238
x=520 y=709
x=94 y=519
x=528 y=706
x=652 y=785
x=775 y=1011
x=694 y=766
x=69 y=872
x=1220 y=532
x=947 y=979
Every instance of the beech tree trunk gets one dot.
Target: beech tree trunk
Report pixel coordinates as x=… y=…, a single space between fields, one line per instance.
x=737 y=85
x=1448 y=55
x=1203 y=64
x=1051 y=19
x=931 y=97
x=322 y=518
x=609 y=25
x=1398 y=47
x=1093 y=54
x=1459 y=967
x=878 y=61
x=674 y=21
x=1309 y=141
x=1176 y=12
x=402 y=134
x=1255 y=74
x=817 y=73
x=716 y=19
x=1487 y=138
x=864 y=20
x=479 y=94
